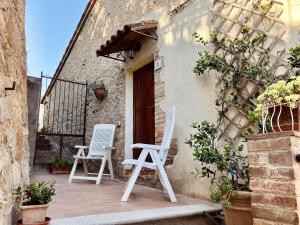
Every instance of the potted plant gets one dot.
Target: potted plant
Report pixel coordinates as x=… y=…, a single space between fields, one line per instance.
x=229 y=172
x=279 y=106
x=60 y=166
x=99 y=89
x=33 y=200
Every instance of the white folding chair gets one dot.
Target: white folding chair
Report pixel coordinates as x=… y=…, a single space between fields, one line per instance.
x=100 y=149
x=158 y=155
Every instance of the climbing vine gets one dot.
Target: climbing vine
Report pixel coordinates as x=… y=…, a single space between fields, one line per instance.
x=247 y=57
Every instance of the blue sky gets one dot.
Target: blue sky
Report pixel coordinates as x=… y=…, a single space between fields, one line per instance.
x=49 y=27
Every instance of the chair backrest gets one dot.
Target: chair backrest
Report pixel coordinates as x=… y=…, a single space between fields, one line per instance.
x=168 y=133
x=103 y=135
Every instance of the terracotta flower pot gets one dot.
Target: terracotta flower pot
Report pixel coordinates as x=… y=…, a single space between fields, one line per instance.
x=59 y=170
x=100 y=92
x=240 y=213
x=46 y=222
x=33 y=214
x=285 y=118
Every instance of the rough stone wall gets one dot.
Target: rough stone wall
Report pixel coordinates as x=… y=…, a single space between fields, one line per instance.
x=105 y=19
x=14 y=160
x=274 y=182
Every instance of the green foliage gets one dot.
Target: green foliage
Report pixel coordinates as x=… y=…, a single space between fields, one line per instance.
x=35 y=193
x=294 y=58
x=243 y=59
x=227 y=167
x=236 y=62
x=57 y=162
x=223 y=191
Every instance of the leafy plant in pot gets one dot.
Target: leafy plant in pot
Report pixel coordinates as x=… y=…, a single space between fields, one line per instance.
x=228 y=169
x=279 y=106
x=99 y=89
x=33 y=200
x=60 y=166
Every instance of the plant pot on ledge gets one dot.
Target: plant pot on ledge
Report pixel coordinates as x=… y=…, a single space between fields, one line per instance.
x=60 y=166
x=34 y=214
x=240 y=212
x=59 y=170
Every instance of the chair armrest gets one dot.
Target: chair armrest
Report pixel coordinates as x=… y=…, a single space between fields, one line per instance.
x=108 y=147
x=147 y=146
x=81 y=146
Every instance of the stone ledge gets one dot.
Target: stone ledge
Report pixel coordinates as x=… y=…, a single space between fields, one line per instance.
x=274 y=135
x=139 y=216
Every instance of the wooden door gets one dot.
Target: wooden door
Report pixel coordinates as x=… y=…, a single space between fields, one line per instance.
x=143 y=106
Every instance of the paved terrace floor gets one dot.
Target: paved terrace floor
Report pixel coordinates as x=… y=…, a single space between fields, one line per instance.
x=83 y=198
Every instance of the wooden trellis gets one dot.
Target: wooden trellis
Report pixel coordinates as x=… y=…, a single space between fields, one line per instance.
x=228 y=19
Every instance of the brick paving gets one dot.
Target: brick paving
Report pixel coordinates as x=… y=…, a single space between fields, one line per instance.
x=82 y=198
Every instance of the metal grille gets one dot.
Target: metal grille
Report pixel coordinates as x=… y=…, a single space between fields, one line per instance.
x=63 y=110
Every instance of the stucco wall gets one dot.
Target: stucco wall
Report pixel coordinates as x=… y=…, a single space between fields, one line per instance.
x=14 y=160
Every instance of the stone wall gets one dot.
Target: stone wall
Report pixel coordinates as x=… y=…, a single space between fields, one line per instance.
x=274 y=182
x=33 y=98
x=14 y=160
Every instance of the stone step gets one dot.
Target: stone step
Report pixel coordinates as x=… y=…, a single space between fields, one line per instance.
x=45 y=147
x=177 y=215
x=41 y=137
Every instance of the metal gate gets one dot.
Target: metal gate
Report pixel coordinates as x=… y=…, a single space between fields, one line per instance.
x=62 y=111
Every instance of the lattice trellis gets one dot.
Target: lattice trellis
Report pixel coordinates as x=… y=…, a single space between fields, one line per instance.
x=261 y=16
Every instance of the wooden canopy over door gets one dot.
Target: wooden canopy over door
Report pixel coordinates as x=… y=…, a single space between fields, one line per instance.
x=143 y=106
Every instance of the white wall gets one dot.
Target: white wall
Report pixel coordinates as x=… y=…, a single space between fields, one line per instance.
x=193 y=96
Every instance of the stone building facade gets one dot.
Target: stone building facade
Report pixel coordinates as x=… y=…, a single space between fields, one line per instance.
x=174 y=83
x=14 y=160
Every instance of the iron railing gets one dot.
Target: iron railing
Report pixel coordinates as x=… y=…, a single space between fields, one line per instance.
x=62 y=112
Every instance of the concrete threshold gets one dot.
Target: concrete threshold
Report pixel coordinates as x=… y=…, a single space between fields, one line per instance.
x=147 y=216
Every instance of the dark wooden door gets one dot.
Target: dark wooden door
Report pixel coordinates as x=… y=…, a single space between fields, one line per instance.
x=143 y=106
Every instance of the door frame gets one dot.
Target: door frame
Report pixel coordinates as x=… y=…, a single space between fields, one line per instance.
x=128 y=136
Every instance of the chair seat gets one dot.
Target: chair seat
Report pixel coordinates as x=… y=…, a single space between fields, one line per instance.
x=135 y=161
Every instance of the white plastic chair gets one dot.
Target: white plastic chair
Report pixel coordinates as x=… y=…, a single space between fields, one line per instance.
x=158 y=155
x=100 y=149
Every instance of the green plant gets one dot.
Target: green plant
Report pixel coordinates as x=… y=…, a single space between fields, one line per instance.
x=227 y=167
x=57 y=162
x=35 y=193
x=237 y=64
x=294 y=58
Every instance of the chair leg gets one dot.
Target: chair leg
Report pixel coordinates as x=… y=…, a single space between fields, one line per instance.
x=161 y=180
x=164 y=177
x=135 y=175
x=73 y=170
x=85 y=167
x=111 y=170
x=101 y=170
x=157 y=173
x=133 y=168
